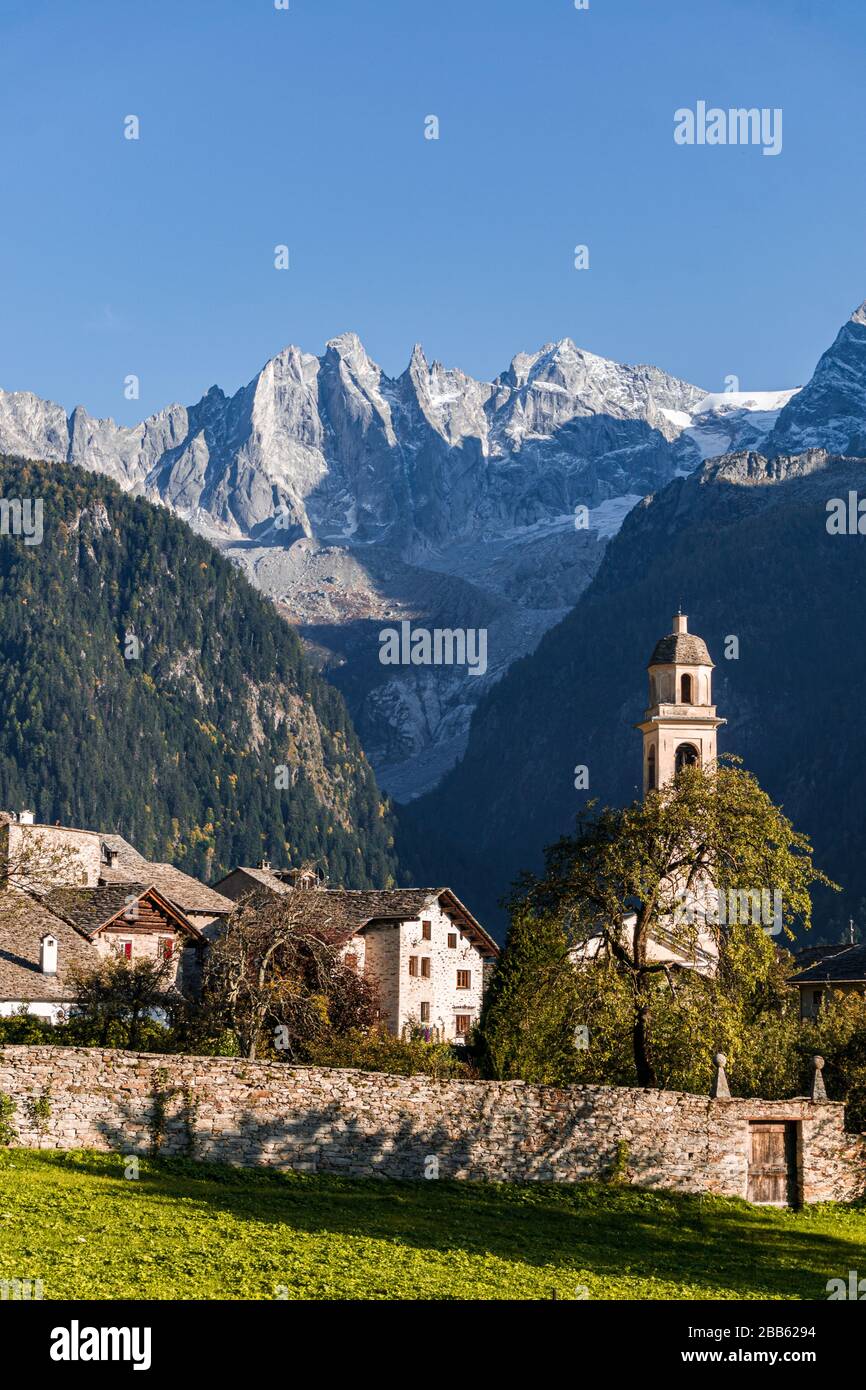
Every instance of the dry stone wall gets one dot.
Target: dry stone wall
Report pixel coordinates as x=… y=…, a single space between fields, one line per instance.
x=315 y=1119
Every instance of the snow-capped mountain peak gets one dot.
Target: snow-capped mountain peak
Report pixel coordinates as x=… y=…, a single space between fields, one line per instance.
x=350 y=495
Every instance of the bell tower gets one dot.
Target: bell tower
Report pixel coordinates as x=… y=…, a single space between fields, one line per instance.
x=679 y=727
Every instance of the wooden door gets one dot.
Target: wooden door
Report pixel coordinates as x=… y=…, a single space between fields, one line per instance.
x=773 y=1162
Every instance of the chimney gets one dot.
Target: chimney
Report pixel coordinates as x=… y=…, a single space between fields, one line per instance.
x=26 y=818
x=264 y=864
x=681 y=623
x=48 y=954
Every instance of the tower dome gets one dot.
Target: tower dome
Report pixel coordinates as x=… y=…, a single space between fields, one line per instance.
x=680 y=648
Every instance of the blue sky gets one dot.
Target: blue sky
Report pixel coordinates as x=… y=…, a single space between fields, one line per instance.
x=306 y=127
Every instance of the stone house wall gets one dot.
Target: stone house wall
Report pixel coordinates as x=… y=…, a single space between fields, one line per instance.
x=72 y=856
x=440 y=989
x=149 y=945
x=356 y=946
x=384 y=952
x=350 y=1122
x=382 y=970
x=207 y=922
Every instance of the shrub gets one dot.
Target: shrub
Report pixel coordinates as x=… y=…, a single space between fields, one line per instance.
x=839 y=1036
x=7 y=1129
x=380 y=1051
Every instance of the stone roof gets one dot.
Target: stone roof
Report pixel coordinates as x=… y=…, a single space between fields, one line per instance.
x=811 y=955
x=849 y=964
x=680 y=649
x=182 y=889
x=89 y=909
x=266 y=877
x=351 y=910
x=23 y=923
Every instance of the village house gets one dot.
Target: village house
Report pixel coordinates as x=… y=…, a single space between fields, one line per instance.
x=427 y=956
x=840 y=969
x=44 y=940
x=74 y=896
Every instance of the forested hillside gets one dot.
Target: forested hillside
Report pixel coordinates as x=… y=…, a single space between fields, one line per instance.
x=147 y=688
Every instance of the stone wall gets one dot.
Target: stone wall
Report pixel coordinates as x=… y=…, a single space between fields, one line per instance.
x=69 y=856
x=361 y=1123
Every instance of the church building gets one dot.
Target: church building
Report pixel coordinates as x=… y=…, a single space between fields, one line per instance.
x=679 y=730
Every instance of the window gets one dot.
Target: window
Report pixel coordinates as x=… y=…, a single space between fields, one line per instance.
x=425 y=1013
x=413 y=965
x=167 y=948
x=461 y=1024
x=125 y=949
x=426 y=931
x=452 y=940
x=686 y=690
x=351 y=960
x=425 y=967
x=687 y=756
x=464 y=979
x=651 y=770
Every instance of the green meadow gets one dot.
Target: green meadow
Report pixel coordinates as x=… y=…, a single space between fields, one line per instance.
x=190 y=1231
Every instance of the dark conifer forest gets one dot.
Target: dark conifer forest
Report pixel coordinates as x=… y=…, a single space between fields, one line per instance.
x=148 y=689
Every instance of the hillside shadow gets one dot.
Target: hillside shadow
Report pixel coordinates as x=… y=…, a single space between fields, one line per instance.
x=761 y=548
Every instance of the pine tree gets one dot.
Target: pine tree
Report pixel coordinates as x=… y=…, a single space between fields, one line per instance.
x=532 y=1008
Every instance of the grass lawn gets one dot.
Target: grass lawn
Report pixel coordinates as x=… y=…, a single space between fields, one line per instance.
x=185 y=1230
